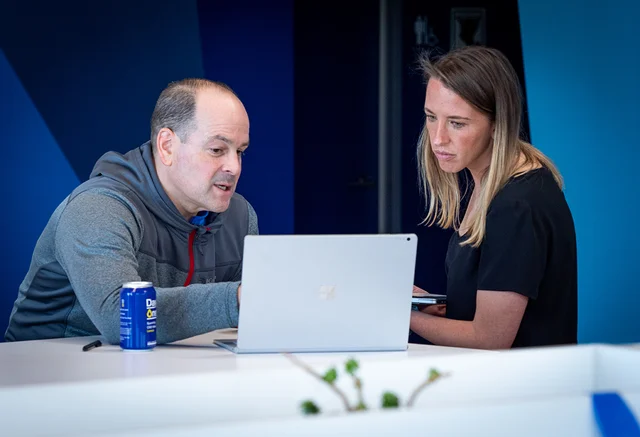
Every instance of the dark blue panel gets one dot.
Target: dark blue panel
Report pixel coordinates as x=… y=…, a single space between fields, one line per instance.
x=614 y=416
x=95 y=69
x=336 y=118
x=36 y=177
x=248 y=44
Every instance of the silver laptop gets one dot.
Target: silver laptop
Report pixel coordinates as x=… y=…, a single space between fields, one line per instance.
x=325 y=293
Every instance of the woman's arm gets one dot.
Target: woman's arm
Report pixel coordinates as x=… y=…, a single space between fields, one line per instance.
x=495 y=325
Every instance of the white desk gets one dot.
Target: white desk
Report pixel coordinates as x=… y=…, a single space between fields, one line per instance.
x=52 y=388
x=63 y=361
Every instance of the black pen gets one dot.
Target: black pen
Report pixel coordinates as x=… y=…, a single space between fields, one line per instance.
x=92 y=345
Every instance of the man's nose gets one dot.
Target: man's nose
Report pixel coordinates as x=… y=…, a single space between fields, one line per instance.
x=232 y=163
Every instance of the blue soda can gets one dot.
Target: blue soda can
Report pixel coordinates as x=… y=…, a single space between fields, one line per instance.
x=137 y=316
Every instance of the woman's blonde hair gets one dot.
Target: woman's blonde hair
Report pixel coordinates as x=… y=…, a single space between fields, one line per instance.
x=485 y=79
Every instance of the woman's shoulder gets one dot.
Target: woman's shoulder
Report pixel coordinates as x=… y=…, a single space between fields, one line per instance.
x=535 y=193
x=535 y=184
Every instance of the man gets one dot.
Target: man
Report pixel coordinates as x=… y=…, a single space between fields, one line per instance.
x=166 y=212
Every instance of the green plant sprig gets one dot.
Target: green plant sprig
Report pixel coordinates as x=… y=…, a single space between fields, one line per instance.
x=329 y=377
x=389 y=399
x=434 y=375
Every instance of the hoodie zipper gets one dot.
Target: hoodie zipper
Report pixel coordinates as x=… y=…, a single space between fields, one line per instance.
x=192 y=237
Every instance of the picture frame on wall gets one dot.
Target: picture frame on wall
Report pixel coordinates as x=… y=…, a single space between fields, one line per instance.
x=468 y=27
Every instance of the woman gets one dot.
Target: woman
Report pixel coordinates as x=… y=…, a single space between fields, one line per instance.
x=511 y=263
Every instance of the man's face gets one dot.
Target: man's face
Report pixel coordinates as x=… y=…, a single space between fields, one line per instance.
x=205 y=168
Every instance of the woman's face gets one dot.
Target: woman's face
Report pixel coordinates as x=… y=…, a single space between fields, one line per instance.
x=460 y=135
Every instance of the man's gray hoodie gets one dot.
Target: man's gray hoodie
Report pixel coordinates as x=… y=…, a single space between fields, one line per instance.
x=120 y=226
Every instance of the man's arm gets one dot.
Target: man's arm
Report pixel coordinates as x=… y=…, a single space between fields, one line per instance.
x=97 y=239
x=253 y=221
x=495 y=325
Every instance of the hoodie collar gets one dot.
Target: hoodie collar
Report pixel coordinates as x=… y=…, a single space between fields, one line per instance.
x=137 y=171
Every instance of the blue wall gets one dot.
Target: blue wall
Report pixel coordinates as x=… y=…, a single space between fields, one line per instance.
x=95 y=69
x=249 y=45
x=78 y=79
x=36 y=177
x=582 y=70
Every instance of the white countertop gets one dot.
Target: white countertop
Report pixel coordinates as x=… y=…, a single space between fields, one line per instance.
x=62 y=360
x=193 y=387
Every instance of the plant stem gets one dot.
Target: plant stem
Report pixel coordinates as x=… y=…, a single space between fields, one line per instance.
x=358 y=383
x=418 y=390
x=312 y=372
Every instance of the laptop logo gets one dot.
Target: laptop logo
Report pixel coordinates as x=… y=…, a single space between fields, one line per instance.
x=327 y=292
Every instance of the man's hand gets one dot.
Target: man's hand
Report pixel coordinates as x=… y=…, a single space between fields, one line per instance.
x=435 y=310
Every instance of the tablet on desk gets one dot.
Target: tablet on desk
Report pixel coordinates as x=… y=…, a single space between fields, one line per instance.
x=429 y=299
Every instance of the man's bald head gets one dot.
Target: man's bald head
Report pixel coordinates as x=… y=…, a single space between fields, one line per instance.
x=176 y=107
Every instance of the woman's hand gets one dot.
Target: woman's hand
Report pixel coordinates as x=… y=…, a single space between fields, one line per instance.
x=435 y=310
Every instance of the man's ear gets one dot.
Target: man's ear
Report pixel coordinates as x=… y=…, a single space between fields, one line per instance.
x=166 y=142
